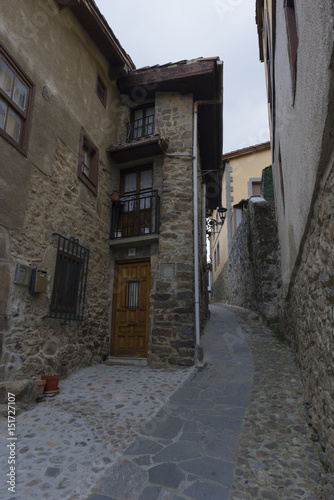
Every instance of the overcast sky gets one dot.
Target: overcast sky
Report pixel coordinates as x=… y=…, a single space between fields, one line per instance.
x=157 y=32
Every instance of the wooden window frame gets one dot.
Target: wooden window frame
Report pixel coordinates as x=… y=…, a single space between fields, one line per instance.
x=145 y=124
x=25 y=115
x=137 y=171
x=292 y=35
x=103 y=97
x=90 y=179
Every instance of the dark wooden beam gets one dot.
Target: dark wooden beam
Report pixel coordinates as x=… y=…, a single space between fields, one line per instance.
x=63 y=4
x=163 y=74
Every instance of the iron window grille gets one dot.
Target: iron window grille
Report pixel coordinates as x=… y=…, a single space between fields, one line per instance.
x=70 y=280
x=136 y=214
x=132 y=294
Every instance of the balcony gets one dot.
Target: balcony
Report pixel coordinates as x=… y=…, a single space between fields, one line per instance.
x=135 y=215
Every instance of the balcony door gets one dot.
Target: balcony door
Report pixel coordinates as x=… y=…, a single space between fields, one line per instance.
x=136 y=186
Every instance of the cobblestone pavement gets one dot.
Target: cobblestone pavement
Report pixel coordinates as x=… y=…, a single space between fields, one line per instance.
x=234 y=428
x=66 y=443
x=277 y=456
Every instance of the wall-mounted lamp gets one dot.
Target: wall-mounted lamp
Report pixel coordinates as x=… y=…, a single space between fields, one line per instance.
x=212 y=224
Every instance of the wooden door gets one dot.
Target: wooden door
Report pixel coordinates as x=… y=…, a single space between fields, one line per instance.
x=131 y=305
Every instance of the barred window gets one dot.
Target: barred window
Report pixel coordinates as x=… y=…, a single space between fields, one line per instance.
x=70 y=279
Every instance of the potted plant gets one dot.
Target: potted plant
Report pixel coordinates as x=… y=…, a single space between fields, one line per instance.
x=115 y=196
x=52 y=378
x=41 y=386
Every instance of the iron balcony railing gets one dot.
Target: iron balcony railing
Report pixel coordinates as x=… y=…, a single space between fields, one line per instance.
x=136 y=214
x=140 y=128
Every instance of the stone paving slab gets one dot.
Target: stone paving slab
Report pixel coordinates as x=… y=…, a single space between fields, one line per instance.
x=277 y=456
x=234 y=428
x=187 y=450
x=66 y=443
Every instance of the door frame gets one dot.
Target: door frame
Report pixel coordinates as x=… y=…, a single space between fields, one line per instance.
x=114 y=306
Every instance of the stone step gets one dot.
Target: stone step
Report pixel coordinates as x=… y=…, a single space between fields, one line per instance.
x=126 y=361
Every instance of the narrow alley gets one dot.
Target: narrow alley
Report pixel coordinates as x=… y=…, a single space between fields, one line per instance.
x=234 y=428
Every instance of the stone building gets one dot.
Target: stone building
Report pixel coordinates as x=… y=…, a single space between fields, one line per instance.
x=296 y=45
x=241 y=179
x=83 y=277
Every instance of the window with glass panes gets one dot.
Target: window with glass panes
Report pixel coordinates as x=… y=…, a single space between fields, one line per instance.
x=142 y=123
x=16 y=96
x=88 y=165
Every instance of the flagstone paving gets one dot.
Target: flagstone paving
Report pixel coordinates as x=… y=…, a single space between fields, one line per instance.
x=234 y=428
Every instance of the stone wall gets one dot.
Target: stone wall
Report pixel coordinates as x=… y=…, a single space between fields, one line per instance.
x=41 y=194
x=172 y=292
x=307 y=315
x=251 y=278
x=240 y=270
x=263 y=245
x=222 y=291
x=35 y=342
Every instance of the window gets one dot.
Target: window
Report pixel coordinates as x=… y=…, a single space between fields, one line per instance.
x=142 y=122
x=133 y=294
x=16 y=101
x=69 y=286
x=256 y=188
x=101 y=90
x=238 y=216
x=218 y=253
x=139 y=184
x=88 y=166
x=291 y=27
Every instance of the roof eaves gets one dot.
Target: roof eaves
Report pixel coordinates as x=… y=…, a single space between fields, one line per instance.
x=95 y=24
x=245 y=151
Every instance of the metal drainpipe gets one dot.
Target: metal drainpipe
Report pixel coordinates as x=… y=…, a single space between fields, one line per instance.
x=195 y=194
x=196 y=274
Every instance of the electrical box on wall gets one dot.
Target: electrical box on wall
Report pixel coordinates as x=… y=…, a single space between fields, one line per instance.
x=38 y=281
x=22 y=274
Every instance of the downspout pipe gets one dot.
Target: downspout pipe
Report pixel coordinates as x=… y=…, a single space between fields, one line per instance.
x=195 y=193
x=199 y=353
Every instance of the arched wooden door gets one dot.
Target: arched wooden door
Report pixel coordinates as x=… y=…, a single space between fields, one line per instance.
x=131 y=307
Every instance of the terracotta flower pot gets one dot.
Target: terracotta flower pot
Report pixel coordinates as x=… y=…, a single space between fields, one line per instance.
x=41 y=385
x=51 y=383
x=115 y=197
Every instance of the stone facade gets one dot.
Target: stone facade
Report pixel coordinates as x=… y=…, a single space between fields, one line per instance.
x=252 y=277
x=44 y=195
x=308 y=314
x=302 y=121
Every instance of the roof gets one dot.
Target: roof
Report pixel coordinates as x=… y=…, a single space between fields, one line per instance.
x=202 y=77
x=246 y=151
x=94 y=23
x=259 y=11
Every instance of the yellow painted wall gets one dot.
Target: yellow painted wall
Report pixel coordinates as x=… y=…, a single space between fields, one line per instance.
x=244 y=167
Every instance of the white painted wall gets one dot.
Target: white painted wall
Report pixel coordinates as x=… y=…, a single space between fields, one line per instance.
x=299 y=125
